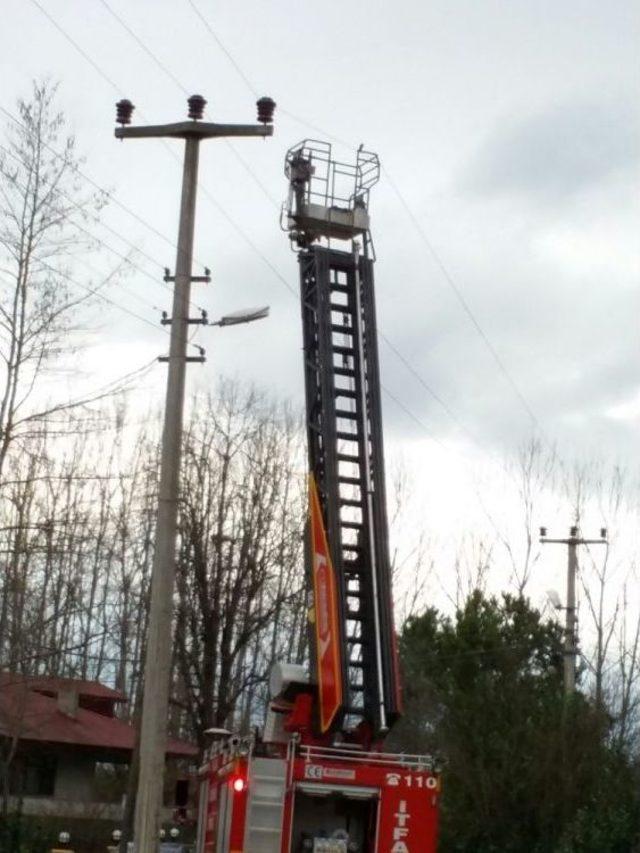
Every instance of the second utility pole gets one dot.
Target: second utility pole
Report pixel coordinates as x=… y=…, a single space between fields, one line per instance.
x=570 y=634
x=157 y=670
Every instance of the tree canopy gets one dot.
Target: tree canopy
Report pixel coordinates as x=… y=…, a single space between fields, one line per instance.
x=524 y=767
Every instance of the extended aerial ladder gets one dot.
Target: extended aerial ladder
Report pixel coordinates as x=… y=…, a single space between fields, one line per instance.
x=318 y=779
x=345 y=435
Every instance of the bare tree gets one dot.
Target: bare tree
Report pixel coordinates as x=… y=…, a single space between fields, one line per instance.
x=534 y=473
x=42 y=208
x=610 y=622
x=412 y=560
x=239 y=580
x=624 y=685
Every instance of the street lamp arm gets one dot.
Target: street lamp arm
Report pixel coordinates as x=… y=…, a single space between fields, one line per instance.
x=239 y=317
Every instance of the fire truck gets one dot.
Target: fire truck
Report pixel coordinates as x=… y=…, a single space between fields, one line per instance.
x=317 y=778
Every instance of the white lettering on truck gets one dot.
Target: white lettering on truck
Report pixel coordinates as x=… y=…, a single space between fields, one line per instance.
x=401 y=830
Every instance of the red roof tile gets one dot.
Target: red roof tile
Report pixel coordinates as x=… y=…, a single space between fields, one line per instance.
x=52 y=684
x=33 y=716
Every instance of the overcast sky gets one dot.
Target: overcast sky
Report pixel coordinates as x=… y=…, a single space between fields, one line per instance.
x=508 y=133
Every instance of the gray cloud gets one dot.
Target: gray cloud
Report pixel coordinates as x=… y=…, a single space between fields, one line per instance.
x=556 y=153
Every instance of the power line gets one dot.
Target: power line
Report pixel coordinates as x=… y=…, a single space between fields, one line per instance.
x=112 y=198
x=213 y=35
x=118 y=89
x=414 y=418
x=436 y=257
x=427 y=387
x=101 y=224
x=462 y=301
x=96 y=292
x=143 y=46
x=161 y=65
x=105 y=77
x=75 y=44
x=98 y=240
x=168 y=73
x=217 y=205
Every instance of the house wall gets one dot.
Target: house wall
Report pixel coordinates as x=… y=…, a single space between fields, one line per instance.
x=74 y=777
x=50 y=807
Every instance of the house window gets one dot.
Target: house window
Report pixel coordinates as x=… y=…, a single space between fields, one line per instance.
x=33 y=775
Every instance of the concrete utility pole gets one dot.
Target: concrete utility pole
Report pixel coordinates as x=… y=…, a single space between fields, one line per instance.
x=153 y=730
x=570 y=634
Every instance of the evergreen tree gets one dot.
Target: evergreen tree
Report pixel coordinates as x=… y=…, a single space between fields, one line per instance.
x=524 y=768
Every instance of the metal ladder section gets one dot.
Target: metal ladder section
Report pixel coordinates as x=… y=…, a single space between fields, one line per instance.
x=265 y=808
x=345 y=454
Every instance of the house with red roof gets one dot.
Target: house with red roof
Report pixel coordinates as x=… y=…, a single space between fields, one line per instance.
x=55 y=736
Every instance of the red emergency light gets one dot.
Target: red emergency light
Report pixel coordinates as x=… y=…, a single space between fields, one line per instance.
x=238 y=784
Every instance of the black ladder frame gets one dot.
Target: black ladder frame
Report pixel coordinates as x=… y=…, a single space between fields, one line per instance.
x=338 y=314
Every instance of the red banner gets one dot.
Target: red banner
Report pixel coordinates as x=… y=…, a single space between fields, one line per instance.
x=327 y=623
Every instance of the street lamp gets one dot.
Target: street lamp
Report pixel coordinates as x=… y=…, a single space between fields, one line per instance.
x=216 y=733
x=246 y=316
x=554 y=598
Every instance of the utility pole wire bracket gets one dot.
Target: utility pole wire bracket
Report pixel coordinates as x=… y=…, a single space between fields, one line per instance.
x=191 y=321
x=190 y=359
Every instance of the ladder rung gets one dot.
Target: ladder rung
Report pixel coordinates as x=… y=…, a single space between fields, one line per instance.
x=346 y=392
x=340 y=287
x=354 y=575
x=350 y=481
x=351 y=525
x=347 y=436
x=349 y=502
x=340 y=350
x=356 y=688
x=354 y=615
x=355 y=664
x=347 y=415
x=347 y=457
x=342 y=330
x=344 y=371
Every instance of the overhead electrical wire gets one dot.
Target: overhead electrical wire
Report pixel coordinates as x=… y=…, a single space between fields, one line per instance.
x=100 y=241
x=239 y=230
x=204 y=190
x=448 y=277
x=95 y=291
x=168 y=73
x=112 y=199
x=127 y=260
x=162 y=66
x=224 y=213
x=463 y=302
x=118 y=89
x=104 y=225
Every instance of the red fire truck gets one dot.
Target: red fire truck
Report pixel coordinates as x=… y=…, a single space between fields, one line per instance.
x=317 y=778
